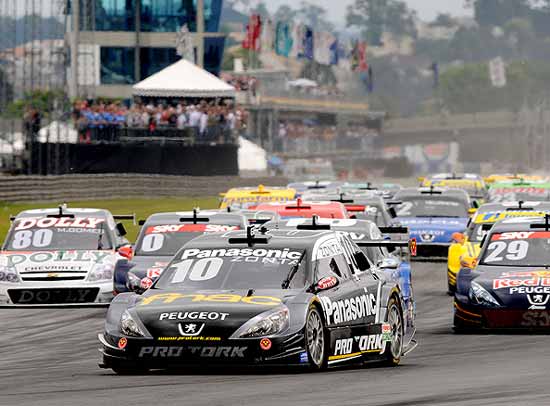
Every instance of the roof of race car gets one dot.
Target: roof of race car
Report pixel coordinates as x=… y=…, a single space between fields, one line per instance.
x=216 y=217
x=259 y=190
x=520 y=224
x=294 y=239
x=493 y=212
x=361 y=199
x=455 y=194
x=318 y=184
x=454 y=176
x=79 y=212
x=347 y=225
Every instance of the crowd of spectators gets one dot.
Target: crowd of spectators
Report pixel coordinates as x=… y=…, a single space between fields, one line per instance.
x=97 y=121
x=241 y=83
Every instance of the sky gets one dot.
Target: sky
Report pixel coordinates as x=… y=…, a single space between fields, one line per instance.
x=427 y=9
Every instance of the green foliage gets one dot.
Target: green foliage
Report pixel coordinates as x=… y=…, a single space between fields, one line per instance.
x=467 y=89
x=250 y=59
x=46 y=101
x=374 y=17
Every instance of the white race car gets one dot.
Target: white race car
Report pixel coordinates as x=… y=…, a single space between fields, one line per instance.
x=61 y=257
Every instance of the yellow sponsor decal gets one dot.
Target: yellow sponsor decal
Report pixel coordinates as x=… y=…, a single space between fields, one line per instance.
x=167 y=298
x=493 y=217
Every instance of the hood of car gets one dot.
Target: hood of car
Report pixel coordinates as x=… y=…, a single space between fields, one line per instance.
x=521 y=288
x=433 y=229
x=54 y=264
x=203 y=315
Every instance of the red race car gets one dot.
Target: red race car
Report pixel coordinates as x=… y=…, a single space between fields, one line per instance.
x=299 y=208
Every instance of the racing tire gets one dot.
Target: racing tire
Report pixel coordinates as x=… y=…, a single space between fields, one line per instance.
x=316 y=339
x=394 y=349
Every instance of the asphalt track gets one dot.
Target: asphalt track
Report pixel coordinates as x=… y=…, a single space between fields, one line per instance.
x=49 y=358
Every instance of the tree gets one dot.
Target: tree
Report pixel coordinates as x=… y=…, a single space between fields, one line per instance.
x=498 y=12
x=285 y=13
x=261 y=9
x=314 y=16
x=443 y=20
x=374 y=17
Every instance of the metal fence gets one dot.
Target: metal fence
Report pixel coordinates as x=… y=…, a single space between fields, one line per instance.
x=119 y=186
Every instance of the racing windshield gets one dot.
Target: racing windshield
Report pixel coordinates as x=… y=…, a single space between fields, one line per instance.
x=58 y=233
x=518 y=248
x=235 y=268
x=475 y=232
x=531 y=194
x=433 y=207
x=166 y=239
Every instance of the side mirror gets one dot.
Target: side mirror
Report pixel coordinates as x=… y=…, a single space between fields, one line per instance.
x=141 y=222
x=459 y=238
x=362 y=261
x=127 y=252
x=421 y=179
x=388 y=263
x=328 y=282
x=475 y=204
x=121 y=229
x=392 y=212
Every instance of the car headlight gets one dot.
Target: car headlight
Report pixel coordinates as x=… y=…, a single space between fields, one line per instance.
x=9 y=274
x=268 y=323
x=129 y=327
x=101 y=272
x=479 y=295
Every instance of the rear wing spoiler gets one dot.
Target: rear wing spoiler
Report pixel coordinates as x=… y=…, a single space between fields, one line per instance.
x=391 y=245
x=128 y=217
x=394 y=230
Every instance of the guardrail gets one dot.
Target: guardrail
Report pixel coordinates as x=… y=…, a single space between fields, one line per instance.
x=114 y=186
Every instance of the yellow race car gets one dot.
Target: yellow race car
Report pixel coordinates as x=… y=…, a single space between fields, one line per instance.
x=464 y=250
x=246 y=197
x=472 y=184
x=495 y=178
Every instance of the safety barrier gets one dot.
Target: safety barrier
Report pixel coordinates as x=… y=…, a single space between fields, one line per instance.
x=113 y=186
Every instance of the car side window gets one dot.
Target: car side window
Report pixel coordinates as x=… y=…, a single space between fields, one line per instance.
x=333 y=266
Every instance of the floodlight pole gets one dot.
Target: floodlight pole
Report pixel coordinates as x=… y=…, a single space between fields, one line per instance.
x=200 y=32
x=75 y=39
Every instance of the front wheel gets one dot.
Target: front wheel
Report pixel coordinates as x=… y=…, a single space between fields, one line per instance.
x=316 y=339
x=394 y=349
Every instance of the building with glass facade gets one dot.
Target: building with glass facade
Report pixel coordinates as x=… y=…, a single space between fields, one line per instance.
x=134 y=39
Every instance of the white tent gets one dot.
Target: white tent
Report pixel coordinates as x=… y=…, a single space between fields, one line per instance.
x=58 y=132
x=251 y=157
x=183 y=79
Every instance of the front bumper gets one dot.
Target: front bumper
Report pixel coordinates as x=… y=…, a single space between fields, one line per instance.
x=55 y=293
x=478 y=317
x=153 y=353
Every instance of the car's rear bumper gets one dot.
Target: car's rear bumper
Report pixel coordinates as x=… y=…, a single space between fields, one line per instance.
x=55 y=293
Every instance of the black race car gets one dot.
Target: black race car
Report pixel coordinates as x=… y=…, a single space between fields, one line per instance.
x=391 y=257
x=296 y=297
x=161 y=236
x=510 y=286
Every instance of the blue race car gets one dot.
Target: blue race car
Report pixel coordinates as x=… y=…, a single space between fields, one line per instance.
x=432 y=215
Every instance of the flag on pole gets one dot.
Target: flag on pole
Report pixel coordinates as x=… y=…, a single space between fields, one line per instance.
x=334 y=50
x=359 y=57
x=298 y=33
x=283 y=39
x=497 y=72
x=309 y=45
x=321 y=52
x=435 y=69
x=253 y=32
x=267 y=37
